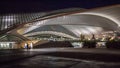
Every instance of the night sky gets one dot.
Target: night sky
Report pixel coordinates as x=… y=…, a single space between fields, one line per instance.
x=7 y=6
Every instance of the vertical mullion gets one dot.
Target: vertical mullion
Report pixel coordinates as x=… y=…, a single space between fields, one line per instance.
x=0 y=23
x=3 y=23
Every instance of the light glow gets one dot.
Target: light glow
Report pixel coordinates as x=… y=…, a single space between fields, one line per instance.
x=8 y=18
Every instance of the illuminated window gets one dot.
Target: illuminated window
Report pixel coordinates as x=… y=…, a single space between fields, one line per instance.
x=8 y=18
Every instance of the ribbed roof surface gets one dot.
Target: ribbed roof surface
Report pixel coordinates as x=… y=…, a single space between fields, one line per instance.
x=87 y=21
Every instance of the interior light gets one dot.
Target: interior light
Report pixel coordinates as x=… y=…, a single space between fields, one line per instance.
x=8 y=19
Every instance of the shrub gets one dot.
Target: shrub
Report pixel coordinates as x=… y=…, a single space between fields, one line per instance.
x=89 y=44
x=113 y=44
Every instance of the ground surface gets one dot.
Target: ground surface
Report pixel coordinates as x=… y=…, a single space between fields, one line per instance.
x=59 y=58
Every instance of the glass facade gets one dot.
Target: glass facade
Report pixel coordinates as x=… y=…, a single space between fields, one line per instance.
x=7 y=45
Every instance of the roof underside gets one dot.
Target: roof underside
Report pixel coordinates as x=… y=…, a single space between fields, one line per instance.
x=72 y=22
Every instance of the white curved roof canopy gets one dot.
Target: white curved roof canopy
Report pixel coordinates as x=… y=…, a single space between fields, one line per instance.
x=111 y=13
x=88 y=22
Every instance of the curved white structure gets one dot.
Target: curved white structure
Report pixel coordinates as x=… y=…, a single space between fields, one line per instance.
x=69 y=22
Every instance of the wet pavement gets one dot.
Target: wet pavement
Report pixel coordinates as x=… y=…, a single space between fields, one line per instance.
x=58 y=62
x=40 y=58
